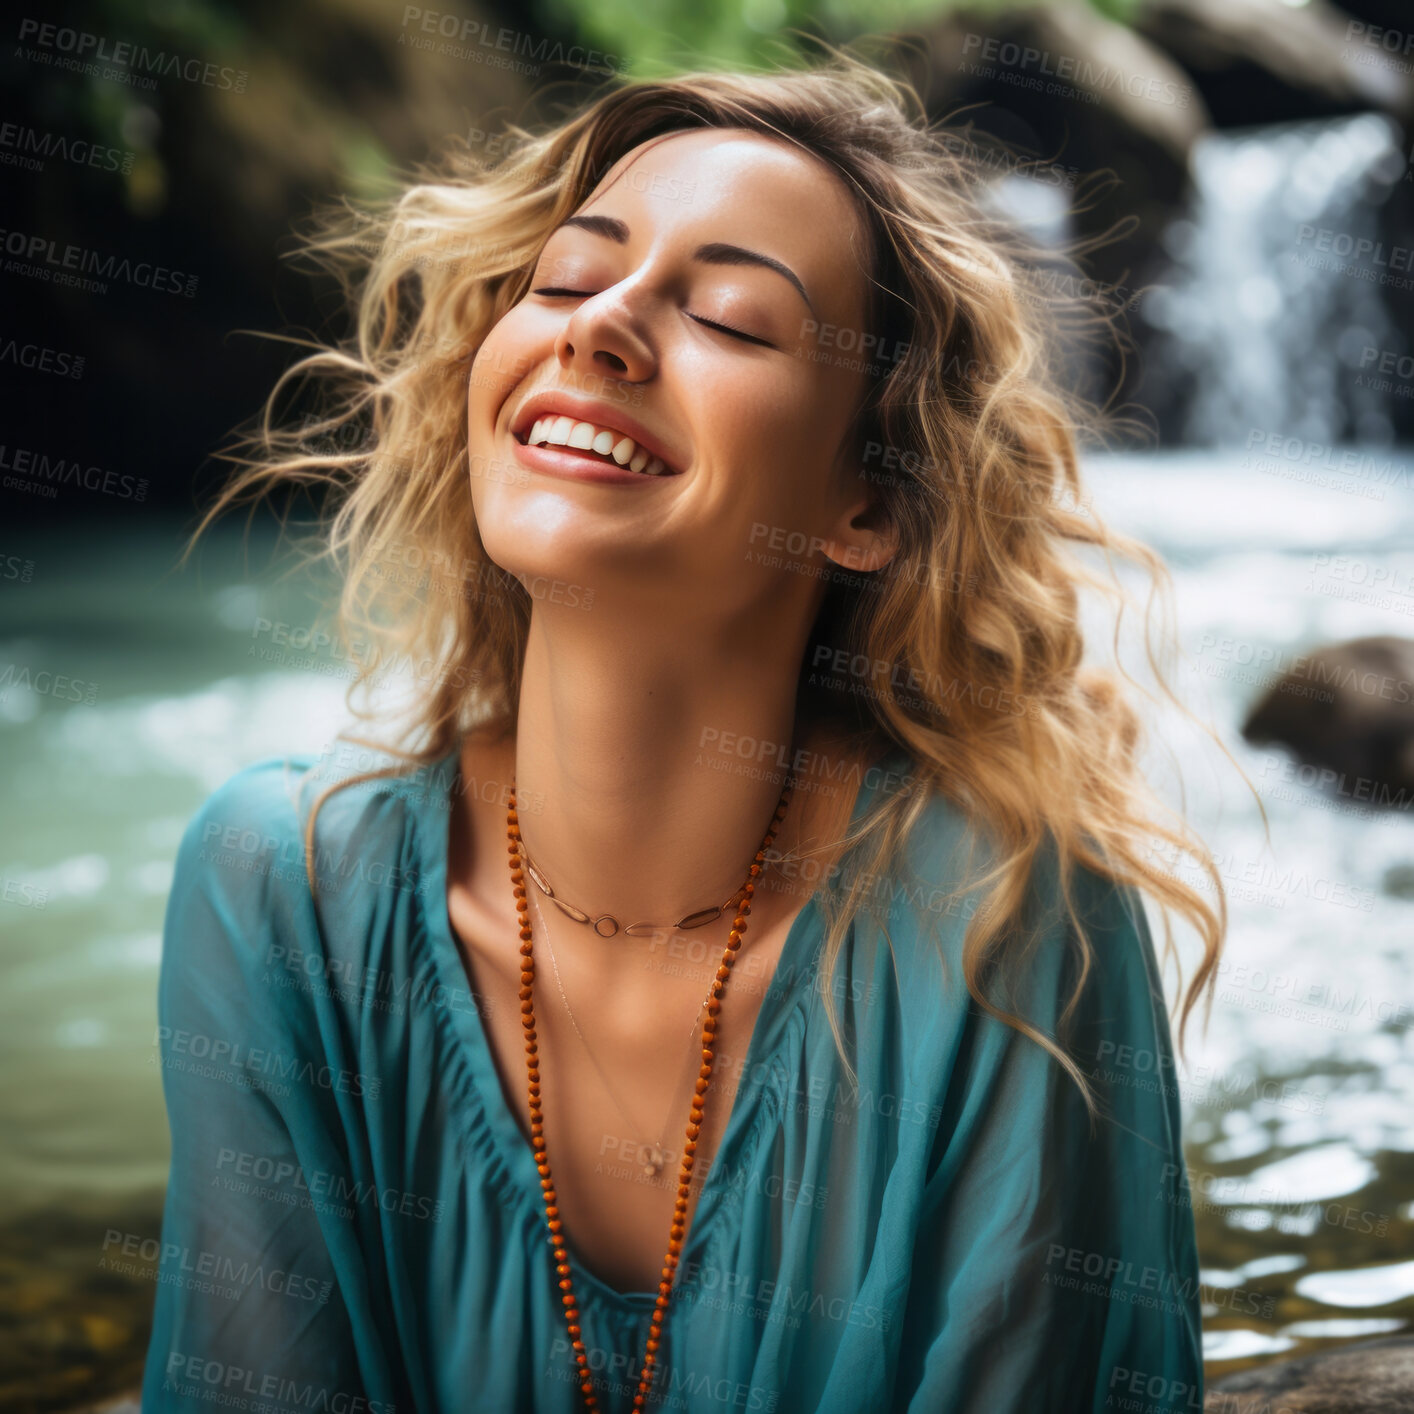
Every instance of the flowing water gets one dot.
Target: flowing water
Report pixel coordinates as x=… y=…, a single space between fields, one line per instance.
x=1295 y=530
x=1274 y=295
x=1299 y=1100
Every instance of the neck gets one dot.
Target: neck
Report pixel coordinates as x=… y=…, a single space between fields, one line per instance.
x=648 y=771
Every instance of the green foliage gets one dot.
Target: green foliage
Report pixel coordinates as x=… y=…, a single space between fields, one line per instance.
x=655 y=36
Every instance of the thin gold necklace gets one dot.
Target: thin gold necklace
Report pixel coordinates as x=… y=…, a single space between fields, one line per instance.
x=554 y=1222
x=606 y=925
x=651 y=1157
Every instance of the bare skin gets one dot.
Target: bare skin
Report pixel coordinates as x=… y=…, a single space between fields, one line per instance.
x=631 y=802
x=636 y=1001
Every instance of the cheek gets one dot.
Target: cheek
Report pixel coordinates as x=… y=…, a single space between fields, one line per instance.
x=780 y=438
x=501 y=363
x=768 y=465
x=494 y=375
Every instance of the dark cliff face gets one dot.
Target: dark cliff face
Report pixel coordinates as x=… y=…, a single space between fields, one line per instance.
x=151 y=220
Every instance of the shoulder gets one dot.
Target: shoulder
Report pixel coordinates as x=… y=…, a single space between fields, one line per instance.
x=945 y=852
x=1085 y=935
x=366 y=806
x=242 y=909
x=259 y=797
x=244 y=835
x=250 y=851
x=258 y=821
x=234 y=903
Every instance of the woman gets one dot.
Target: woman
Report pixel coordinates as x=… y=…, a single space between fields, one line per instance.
x=715 y=498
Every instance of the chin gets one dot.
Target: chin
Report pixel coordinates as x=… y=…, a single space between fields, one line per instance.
x=521 y=542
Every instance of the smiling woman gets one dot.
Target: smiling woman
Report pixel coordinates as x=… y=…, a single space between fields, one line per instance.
x=712 y=996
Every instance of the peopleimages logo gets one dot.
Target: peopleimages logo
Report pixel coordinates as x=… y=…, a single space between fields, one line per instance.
x=41 y=358
x=463 y=38
x=39 y=472
x=29 y=147
x=1096 y=78
x=220 y=1383
x=39 y=255
x=84 y=52
x=1323 y=238
x=279 y=1173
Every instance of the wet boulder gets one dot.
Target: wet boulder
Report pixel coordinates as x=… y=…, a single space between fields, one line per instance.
x=1348 y=709
x=1371 y=1377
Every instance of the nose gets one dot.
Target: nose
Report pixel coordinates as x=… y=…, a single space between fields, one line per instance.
x=603 y=337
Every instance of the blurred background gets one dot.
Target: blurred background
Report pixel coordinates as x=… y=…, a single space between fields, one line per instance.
x=1258 y=212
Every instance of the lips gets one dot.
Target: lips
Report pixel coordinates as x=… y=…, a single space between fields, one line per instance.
x=588 y=429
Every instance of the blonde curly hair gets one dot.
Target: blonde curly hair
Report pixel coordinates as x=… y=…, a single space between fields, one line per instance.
x=970 y=640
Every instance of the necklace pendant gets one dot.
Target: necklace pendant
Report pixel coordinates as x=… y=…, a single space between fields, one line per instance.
x=652 y=1158
x=699 y=919
x=569 y=910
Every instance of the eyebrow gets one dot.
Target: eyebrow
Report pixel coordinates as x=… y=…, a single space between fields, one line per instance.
x=713 y=253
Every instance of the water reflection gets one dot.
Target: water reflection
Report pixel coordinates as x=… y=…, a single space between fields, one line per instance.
x=1299 y=1101
x=1243 y=1344
x=1328 y=1171
x=1343 y=1330
x=1368 y=1286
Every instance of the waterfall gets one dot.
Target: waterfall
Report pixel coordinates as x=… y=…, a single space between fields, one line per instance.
x=1272 y=310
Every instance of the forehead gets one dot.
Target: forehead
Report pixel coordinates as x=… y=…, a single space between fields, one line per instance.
x=736 y=186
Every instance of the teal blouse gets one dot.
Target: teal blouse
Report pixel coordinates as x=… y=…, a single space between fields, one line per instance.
x=354 y=1221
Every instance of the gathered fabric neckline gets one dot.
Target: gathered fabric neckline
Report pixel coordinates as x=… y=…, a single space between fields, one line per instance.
x=780 y=1021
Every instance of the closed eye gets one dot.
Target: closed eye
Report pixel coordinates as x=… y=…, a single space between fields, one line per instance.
x=559 y=290
x=735 y=333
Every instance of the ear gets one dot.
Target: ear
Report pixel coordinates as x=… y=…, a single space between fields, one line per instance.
x=864 y=536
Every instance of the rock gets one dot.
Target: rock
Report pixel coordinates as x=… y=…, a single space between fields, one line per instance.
x=1348 y=708
x=1371 y=1377
x=1398 y=881
x=1310 y=53
x=1063 y=67
x=129 y=1403
x=1058 y=83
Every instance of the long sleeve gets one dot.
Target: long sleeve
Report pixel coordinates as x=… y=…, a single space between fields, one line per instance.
x=259 y=1260
x=1054 y=1268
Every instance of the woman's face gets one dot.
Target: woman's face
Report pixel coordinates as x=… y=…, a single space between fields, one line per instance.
x=691 y=313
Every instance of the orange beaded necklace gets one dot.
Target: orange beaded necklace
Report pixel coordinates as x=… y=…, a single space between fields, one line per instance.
x=678 y=1230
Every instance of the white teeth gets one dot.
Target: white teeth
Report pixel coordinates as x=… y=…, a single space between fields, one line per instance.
x=559 y=431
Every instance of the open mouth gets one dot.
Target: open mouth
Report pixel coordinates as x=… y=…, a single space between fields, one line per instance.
x=605 y=444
